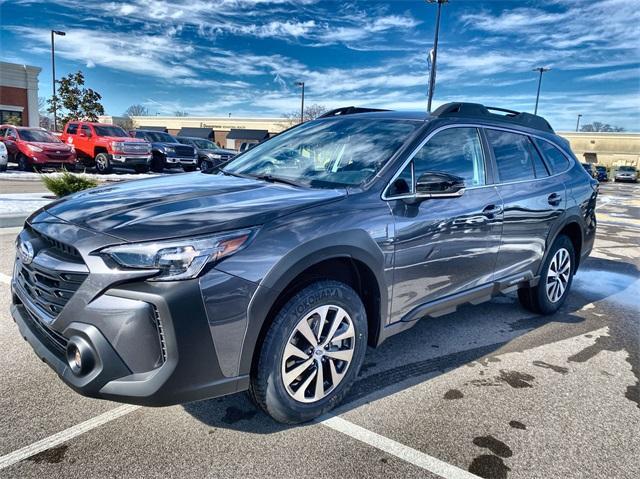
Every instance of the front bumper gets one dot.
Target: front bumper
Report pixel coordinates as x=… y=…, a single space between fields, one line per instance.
x=626 y=178
x=180 y=161
x=152 y=344
x=132 y=160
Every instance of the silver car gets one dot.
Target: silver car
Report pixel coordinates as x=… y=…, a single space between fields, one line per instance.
x=627 y=173
x=4 y=157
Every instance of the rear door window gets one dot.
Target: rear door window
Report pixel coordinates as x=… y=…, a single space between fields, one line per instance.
x=86 y=130
x=513 y=154
x=558 y=161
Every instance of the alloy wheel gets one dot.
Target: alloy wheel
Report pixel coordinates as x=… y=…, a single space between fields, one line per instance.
x=558 y=275
x=318 y=353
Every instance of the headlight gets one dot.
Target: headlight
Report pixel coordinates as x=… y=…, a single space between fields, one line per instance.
x=35 y=148
x=214 y=156
x=169 y=149
x=117 y=145
x=181 y=258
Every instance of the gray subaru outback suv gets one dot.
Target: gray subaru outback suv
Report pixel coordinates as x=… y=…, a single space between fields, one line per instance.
x=275 y=273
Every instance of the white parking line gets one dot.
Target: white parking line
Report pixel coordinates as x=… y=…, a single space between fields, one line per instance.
x=64 y=436
x=406 y=453
x=5 y=278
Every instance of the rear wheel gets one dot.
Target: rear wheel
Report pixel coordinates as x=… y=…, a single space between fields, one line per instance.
x=103 y=163
x=311 y=354
x=555 y=279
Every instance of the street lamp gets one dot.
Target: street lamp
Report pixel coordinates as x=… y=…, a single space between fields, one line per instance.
x=434 y=55
x=578 y=122
x=541 y=70
x=53 y=75
x=301 y=84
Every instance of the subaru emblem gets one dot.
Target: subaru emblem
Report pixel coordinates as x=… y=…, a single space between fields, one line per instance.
x=26 y=252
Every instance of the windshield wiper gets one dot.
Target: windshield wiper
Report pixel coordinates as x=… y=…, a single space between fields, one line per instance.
x=278 y=179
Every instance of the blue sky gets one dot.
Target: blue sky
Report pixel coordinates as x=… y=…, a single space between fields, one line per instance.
x=244 y=56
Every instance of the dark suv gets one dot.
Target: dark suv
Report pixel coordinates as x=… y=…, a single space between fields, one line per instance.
x=209 y=154
x=275 y=273
x=167 y=152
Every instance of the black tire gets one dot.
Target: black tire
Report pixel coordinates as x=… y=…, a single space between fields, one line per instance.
x=189 y=168
x=536 y=299
x=157 y=163
x=23 y=163
x=267 y=388
x=103 y=163
x=207 y=165
x=3 y=168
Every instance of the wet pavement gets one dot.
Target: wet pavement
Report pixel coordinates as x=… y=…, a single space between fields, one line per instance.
x=491 y=389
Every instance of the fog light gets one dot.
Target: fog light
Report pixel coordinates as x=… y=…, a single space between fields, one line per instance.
x=80 y=356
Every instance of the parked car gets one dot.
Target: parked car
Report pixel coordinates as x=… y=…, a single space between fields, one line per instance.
x=626 y=173
x=602 y=173
x=4 y=157
x=36 y=148
x=591 y=169
x=106 y=146
x=167 y=151
x=277 y=282
x=209 y=154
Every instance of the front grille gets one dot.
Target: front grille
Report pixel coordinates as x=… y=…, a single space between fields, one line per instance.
x=136 y=148
x=184 y=150
x=47 y=288
x=226 y=157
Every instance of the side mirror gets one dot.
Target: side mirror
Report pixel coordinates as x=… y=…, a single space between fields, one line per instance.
x=435 y=185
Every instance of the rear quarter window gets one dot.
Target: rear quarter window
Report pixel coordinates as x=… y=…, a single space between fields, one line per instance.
x=556 y=159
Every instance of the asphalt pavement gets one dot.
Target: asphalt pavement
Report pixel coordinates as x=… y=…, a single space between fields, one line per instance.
x=491 y=390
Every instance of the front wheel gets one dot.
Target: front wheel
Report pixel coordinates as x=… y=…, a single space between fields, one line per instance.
x=312 y=353
x=555 y=279
x=23 y=163
x=103 y=163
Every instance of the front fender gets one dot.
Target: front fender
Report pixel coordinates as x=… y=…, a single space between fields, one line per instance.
x=356 y=244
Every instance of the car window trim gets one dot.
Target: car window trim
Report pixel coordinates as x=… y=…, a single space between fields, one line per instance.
x=385 y=197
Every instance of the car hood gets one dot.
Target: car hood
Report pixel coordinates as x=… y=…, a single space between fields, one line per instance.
x=50 y=146
x=184 y=205
x=125 y=139
x=218 y=151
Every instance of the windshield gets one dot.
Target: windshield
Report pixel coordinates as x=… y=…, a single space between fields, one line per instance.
x=109 y=130
x=159 y=137
x=205 y=144
x=327 y=153
x=38 y=136
x=626 y=168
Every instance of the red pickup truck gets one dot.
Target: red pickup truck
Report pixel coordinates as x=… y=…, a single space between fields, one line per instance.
x=107 y=146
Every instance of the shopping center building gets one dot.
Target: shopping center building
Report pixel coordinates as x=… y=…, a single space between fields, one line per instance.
x=19 y=94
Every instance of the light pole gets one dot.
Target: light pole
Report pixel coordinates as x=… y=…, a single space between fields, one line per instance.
x=541 y=70
x=432 y=73
x=578 y=122
x=301 y=84
x=53 y=76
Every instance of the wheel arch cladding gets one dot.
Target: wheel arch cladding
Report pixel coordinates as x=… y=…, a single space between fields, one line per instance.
x=357 y=261
x=574 y=231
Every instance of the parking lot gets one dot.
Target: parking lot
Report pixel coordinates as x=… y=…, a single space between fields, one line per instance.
x=491 y=390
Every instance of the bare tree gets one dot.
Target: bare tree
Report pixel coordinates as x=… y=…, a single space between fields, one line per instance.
x=599 y=126
x=311 y=112
x=136 y=110
x=46 y=121
x=180 y=113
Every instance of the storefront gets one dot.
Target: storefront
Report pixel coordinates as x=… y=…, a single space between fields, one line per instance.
x=19 y=94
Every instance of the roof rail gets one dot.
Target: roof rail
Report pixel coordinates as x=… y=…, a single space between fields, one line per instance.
x=348 y=110
x=479 y=110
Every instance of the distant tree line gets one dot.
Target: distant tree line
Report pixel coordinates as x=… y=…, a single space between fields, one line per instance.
x=599 y=126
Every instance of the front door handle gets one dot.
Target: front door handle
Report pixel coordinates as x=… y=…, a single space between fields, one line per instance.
x=491 y=210
x=554 y=199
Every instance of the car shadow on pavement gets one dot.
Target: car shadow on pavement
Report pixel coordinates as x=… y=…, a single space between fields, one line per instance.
x=438 y=345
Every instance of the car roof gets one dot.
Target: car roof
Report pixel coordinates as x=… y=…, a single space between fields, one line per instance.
x=415 y=115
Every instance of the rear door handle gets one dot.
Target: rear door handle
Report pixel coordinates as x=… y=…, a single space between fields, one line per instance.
x=554 y=199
